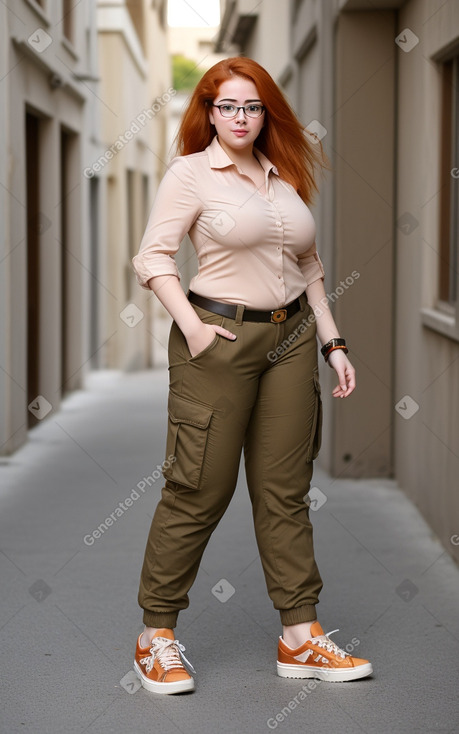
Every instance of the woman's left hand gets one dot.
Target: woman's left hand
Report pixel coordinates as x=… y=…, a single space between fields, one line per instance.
x=345 y=371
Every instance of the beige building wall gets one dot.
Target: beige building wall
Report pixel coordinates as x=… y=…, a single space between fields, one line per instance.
x=46 y=113
x=258 y=30
x=370 y=74
x=74 y=207
x=363 y=176
x=426 y=330
x=136 y=91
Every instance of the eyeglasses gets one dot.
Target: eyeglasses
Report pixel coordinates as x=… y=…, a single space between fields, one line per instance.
x=230 y=110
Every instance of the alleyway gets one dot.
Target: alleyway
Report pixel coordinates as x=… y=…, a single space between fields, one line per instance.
x=68 y=609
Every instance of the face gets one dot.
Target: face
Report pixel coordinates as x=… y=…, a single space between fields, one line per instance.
x=239 y=133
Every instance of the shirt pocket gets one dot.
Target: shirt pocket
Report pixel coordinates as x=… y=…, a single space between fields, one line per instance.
x=315 y=437
x=188 y=428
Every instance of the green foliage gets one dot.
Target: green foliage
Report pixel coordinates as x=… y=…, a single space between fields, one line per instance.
x=185 y=73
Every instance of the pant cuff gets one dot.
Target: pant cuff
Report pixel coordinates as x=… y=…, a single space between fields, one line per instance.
x=306 y=613
x=160 y=619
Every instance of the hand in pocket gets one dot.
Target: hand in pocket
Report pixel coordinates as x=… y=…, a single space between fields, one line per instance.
x=199 y=340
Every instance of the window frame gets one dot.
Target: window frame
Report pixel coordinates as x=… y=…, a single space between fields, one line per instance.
x=444 y=316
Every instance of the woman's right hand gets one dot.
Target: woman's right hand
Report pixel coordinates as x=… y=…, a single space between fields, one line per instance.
x=198 y=335
x=200 y=338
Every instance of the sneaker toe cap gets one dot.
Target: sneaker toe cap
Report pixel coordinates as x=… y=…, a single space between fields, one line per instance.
x=172 y=676
x=356 y=662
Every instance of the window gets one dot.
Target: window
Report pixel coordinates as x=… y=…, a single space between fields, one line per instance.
x=131 y=229
x=449 y=182
x=67 y=20
x=294 y=9
x=135 y=10
x=444 y=318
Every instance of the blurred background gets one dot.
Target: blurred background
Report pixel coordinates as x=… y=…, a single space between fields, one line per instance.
x=90 y=96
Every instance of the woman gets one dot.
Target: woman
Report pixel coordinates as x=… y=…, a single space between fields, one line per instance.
x=242 y=362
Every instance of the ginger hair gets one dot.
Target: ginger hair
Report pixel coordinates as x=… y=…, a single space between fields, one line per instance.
x=282 y=139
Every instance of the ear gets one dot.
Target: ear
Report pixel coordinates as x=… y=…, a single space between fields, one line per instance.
x=211 y=116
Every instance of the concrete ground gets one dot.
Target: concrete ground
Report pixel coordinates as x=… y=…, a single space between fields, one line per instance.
x=68 y=608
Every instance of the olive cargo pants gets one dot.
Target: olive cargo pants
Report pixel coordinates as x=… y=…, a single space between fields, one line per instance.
x=259 y=393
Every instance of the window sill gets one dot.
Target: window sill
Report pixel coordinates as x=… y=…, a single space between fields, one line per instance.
x=444 y=323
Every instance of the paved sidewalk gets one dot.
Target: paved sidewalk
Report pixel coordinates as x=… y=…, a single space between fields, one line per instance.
x=68 y=608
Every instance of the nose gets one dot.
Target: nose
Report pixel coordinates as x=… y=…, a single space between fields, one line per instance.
x=240 y=117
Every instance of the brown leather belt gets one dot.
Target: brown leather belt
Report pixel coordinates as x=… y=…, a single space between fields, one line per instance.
x=230 y=310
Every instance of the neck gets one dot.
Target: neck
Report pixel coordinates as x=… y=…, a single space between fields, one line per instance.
x=239 y=157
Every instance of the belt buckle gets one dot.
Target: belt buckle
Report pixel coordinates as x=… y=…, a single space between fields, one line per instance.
x=279 y=315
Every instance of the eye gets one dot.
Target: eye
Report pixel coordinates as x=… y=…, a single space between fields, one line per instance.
x=253 y=108
x=227 y=107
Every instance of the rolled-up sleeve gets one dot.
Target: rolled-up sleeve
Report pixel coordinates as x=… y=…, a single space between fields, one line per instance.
x=311 y=265
x=174 y=211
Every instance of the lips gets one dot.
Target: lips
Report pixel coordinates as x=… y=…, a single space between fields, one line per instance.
x=240 y=133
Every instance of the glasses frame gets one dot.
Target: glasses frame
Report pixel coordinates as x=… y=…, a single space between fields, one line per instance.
x=242 y=107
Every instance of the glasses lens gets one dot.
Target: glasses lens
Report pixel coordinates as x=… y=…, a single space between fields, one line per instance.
x=253 y=110
x=228 y=110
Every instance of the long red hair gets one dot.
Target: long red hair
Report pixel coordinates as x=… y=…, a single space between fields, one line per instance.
x=282 y=138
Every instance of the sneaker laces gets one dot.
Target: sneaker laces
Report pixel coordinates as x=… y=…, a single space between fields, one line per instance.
x=169 y=653
x=325 y=642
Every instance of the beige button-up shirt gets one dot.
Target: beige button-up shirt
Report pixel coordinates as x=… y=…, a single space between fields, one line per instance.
x=256 y=250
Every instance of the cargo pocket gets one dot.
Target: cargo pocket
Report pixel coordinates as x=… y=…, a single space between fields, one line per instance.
x=187 y=432
x=315 y=439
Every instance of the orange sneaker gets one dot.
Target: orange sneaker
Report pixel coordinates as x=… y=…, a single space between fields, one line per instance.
x=321 y=658
x=160 y=665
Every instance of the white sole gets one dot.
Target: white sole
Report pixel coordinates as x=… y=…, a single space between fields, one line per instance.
x=166 y=688
x=332 y=675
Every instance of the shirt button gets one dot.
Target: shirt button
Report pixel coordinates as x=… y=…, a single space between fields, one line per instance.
x=278 y=224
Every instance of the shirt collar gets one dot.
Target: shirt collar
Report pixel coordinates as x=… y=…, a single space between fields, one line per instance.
x=218 y=158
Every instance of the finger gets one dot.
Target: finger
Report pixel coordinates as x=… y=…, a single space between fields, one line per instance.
x=339 y=392
x=350 y=388
x=225 y=332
